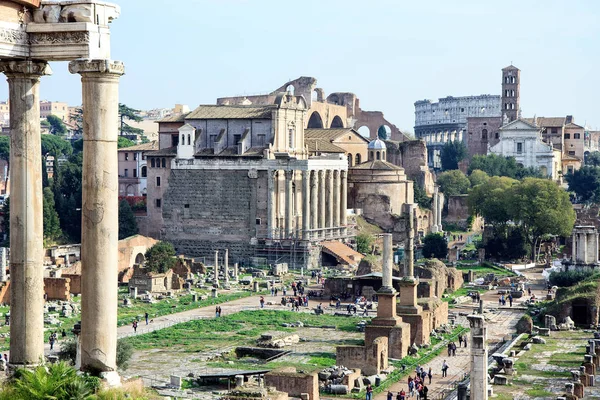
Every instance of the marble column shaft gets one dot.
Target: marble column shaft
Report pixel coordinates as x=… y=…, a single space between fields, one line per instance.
x=226 y=265
x=289 y=181
x=434 y=206
x=271 y=204
x=216 y=280
x=100 y=213
x=322 y=203
x=329 y=202
x=26 y=213
x=386 y=270
x=440 y=207
x=410 y=242
x=479 y=357
x=306 y=204
x=314 y=203
x=344 y=199
x=336 y=198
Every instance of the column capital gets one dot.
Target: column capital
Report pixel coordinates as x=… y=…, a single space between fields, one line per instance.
x=14 y=69
x=83 y=67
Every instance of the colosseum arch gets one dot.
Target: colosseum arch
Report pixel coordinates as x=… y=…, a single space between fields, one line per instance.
x=315 y=121
x=337 y=122
x=364 y=131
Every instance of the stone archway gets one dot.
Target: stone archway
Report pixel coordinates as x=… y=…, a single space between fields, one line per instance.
x=140 y=259
x=315 y=121
x=337 y=122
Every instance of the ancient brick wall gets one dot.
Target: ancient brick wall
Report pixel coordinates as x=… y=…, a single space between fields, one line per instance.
x=481 y=133
x=412 y=156
x=75 y=284
x=294 y=383
x=458 y=208
x=57 y=288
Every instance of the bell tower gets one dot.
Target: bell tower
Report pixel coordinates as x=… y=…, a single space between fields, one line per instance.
x=511 y=86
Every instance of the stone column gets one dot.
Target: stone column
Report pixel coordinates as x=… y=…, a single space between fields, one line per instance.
x=584 y=248
x=235 y=271
x=3 y=263
x=100 y=214
x=410 y=242
x=479 y=357
x=26 y=213
x=596 y=250
x=306 y=205
x=434 y=206
x=226 y=265
x=440 y=207
x=322 y=203
x=216 y=278
x=344 y=201
x=289 y=180
x=271 y=204
x=314 y=203
x=387 y=262
x=329 y=202
x=574 y=248
x=336 y=201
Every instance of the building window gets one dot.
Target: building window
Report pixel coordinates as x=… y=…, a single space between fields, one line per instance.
x=349 y=160
x=484 y=134
x=260 y=140
x=189 y=139
x=357 y=159
x=554 y=130
x=258 y=221
x=571 y=153
x=158 y=203
x=577 y=136
x=126 y=156
x=497 y=135
x=519 y=148
x=158 y=181
x=237 y=139
x=291 y=137
x=135 y=172
x=144 y=172
x=135 y=156
x=570 y=169
x=378 y=155
x=506 y=106
x=126 y=173
x=567 y=136
x=152 y=162
x=164 y=163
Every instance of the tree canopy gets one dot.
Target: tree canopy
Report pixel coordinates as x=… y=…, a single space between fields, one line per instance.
x=585 y=183
x=123 y=142
x=453 y=153
x=478 y=177
x=495 y=165
x=127 y=222
x=52 y=229
x=160 y=257
x=129 y=114
x=453 y=182
x=364 y=241
x=57 y=126
x=593 y=159
x=55 y=146
x=435 y=246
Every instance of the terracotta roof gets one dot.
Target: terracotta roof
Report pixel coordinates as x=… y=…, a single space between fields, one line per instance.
x=572 y=125
x=567 y=157
x=548 y=121
x=322 y=145
x=232 y=112
x=168 y=151
x=378 y=164
x=343 y=253
x=231 y=152
x=152 y=146
x=330 y=134
x=174 y=118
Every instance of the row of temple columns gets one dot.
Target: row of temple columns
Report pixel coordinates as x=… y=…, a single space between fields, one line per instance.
x=585 y=245
x=98 y=339
x=323 y=196
x=443 y=137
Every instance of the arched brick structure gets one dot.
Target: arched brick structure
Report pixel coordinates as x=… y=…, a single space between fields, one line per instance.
x=337 y=122
x=315 y=121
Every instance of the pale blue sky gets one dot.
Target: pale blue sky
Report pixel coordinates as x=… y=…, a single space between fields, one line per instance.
x=389 y=52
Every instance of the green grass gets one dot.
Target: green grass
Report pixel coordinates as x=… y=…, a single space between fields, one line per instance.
x=460 y=292
x=481 y=270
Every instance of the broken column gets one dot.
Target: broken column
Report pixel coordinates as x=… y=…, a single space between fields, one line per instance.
x=100 y=216
x=440 y=207
x=226 y=266
x=235 y=271
x=434 y=226
x=216 y=278
x=409 y=254
x=26 y=219
x=479 y=357
x=387 y=323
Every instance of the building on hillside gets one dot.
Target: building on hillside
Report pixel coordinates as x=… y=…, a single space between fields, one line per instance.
x=346 y=141
x=133 y=169
x=523 y=141
x=56 y=108
x=240 y=177
x=592 y=142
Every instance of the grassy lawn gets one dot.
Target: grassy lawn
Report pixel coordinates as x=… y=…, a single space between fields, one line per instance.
x=481 y=270
x=460 y=292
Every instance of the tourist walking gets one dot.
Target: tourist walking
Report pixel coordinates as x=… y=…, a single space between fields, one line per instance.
x=444 y=369
x=369 y=392
x=411 y=387
x=510 y=299
x=423 y=392
x=52 y=340
x=146 y=315
x=217 y=312
x=402 y=395
x=430 y=375
x=390 y=396
x=135 y=324
x=220 y=311
x=262 y=302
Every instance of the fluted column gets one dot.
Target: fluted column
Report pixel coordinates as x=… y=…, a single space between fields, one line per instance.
x=305 y=204
x=322 y=203
x=344 y=201
x=434 y=207
x=440 y=207
x=409 y=254
x=100 y=213
x=26 y=213
x=314 y=203
x=271 y=204
x=336 y=201
x=289 y=180
x=329 y=209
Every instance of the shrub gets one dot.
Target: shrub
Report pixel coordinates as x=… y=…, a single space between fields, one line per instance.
x=124 y=353
x=364 y=241
x=435 y=246
x=567 y=278
x=68 y=350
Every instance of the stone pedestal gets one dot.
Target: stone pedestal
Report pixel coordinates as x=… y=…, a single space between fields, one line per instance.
x=26 y=209
x=100 y=219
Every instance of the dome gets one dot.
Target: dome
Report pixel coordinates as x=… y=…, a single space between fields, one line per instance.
x=377 y=144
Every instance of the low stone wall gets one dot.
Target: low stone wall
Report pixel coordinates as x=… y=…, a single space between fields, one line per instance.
x=371 y=358
x=57 y=288
x=75 y=282
x=294 y=383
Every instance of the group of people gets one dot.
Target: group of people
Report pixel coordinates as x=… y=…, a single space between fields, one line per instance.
x=218 y=312
x=462 y=339
x=502 y=300
x=296 y=302
x=451 y=349
x=54 y=338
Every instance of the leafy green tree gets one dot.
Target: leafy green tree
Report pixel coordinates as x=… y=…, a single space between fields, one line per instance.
x=495 y=165
x=55 y=146
x=57 y=126
x=127 y=222
x=593 y=159
x=364 y=243
x=435 y=246
x=129 y=114
x=382 y=133
x=490 y=200
x=160 y=257
x=66 y=186
x=78 y=146
x=77 y=118
x=421 y=197
x=453 y=182
x=124 y=353
x=453 y=153
x=51 y=221
x=585 y=183
x=123 y=142
x=477 y=177
x=540 y=207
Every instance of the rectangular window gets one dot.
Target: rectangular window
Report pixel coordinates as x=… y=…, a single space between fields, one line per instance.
x=212 y=140
x=135 y=156
x=260 y=140
x=577 y=136
x=519 y=148
x=257 y=221
x=158 y=203
x=135 y=173
x=126 y=173
x=571 y=153
x=236 y=139
x=158 y=181
x=554 y=130
x=126 y=156
x=567 y=136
